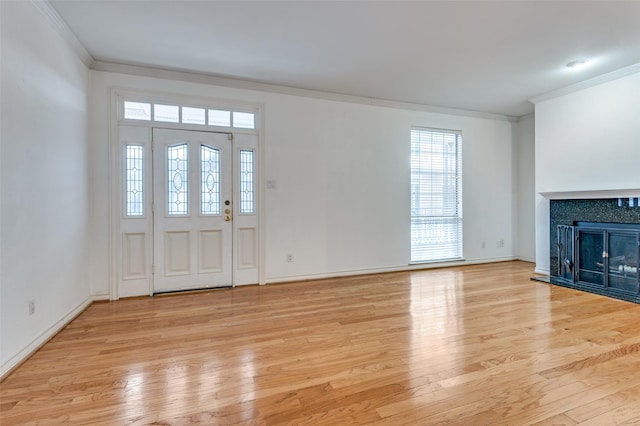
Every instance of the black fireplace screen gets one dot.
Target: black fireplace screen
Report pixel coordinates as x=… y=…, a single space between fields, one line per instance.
x=623 y=261
x=607 y=256
x=590 y=256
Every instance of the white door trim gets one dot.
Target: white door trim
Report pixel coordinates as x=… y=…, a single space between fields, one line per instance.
x=116 y=176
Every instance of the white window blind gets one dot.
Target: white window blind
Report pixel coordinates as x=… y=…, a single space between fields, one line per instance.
x=436 y=195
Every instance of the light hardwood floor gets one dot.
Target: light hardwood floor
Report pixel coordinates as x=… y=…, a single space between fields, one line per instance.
x=475 y=345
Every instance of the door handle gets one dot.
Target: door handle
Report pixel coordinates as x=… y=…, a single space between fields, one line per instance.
x=227 y=218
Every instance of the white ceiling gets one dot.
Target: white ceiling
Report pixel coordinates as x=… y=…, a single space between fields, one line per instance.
x=486 y=56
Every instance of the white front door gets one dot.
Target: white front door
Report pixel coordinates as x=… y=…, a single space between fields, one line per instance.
x=192 y=210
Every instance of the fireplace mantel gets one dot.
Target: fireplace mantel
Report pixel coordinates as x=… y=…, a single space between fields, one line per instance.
x=588 y=195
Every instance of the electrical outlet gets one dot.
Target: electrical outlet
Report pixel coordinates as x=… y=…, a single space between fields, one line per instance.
x=32 y=306
x=484 y=245
x=500 y=244
x=289 y=258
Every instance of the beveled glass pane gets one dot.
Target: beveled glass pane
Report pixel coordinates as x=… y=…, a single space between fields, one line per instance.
x=166 y=113
x=209 y=181
x=219 y=118
x=178 y=180
x=134 y=203
x=193 y=115
x=247 y=182
x=244 y=120
x=137 y=110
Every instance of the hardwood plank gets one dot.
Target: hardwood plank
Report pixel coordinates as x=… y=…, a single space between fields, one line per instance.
x=559 y=420
x=479 y=344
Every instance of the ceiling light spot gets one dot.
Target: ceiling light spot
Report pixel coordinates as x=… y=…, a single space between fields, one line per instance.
x=577 y=64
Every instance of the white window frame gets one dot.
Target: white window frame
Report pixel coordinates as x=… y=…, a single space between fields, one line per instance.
x=436 y=195
x=207 y=107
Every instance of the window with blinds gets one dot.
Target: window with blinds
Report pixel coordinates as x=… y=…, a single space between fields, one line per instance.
x=436 y=195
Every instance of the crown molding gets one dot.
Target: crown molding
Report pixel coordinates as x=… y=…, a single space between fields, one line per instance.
x=61 y=27
x=217 y=80
x=526 y=116
x=604 y=78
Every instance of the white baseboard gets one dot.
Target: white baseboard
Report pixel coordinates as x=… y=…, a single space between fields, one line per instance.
x=99 y=297
x=411 y=267
x=542 y=271
x=44 y=337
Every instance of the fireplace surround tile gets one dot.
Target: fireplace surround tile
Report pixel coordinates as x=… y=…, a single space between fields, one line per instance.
x=571 y=211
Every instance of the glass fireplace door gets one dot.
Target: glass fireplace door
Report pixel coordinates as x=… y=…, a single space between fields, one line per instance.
x=591 y=256
x=622 y=250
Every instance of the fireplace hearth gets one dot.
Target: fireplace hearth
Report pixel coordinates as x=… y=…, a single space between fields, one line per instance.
x=595 y=247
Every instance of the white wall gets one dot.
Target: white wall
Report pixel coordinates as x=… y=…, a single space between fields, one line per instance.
x=594 y=132
x=524 y=141
x=340 y=205
x=341 y=202
x=45 y=174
